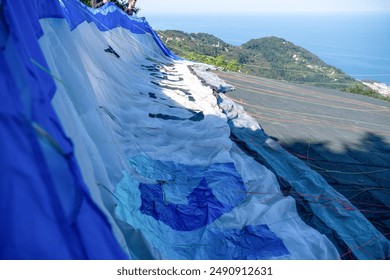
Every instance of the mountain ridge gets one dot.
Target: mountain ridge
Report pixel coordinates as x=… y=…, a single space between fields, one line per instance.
x=269 y=57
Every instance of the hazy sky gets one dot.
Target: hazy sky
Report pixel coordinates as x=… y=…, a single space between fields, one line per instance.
x=260 y=6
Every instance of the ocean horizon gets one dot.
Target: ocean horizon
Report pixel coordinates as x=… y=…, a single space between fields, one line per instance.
x=358 y=44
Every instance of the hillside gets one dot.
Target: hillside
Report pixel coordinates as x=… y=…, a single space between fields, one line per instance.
x=276 y=58
x=269 y=57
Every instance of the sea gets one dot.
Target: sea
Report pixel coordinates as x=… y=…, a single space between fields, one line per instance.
x=358 y=44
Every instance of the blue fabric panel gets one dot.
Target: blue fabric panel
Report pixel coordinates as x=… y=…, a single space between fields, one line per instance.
x=23 y=22
x=186 y=197
x=45 y=209
x=180 y=180
x=106 y=18
x=209 y=242
x=117 y=18
x=251 y=242
x=202 y=208
x=30 y=220
x=47 y=9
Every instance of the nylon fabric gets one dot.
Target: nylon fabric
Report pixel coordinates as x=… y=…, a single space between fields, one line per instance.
x=45 y=208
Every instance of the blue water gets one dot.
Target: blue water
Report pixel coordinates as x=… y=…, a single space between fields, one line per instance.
x=358 y=44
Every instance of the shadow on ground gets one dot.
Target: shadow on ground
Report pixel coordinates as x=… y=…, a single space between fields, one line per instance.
x=361 y=174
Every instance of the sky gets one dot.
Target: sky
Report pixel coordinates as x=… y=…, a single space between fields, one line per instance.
x=150 y=7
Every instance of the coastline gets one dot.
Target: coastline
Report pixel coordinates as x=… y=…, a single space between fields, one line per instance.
x=355 y=43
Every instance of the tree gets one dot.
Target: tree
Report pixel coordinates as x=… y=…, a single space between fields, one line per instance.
x=86 y=2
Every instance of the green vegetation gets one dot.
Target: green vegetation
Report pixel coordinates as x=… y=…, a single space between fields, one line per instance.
x=360 y=88
x=275 y=58
x=203 y=48
x=219 y=61
x=87 y=2
x=268 y=57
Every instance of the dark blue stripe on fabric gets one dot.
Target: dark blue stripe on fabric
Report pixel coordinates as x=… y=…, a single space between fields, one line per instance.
x=46 y=211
